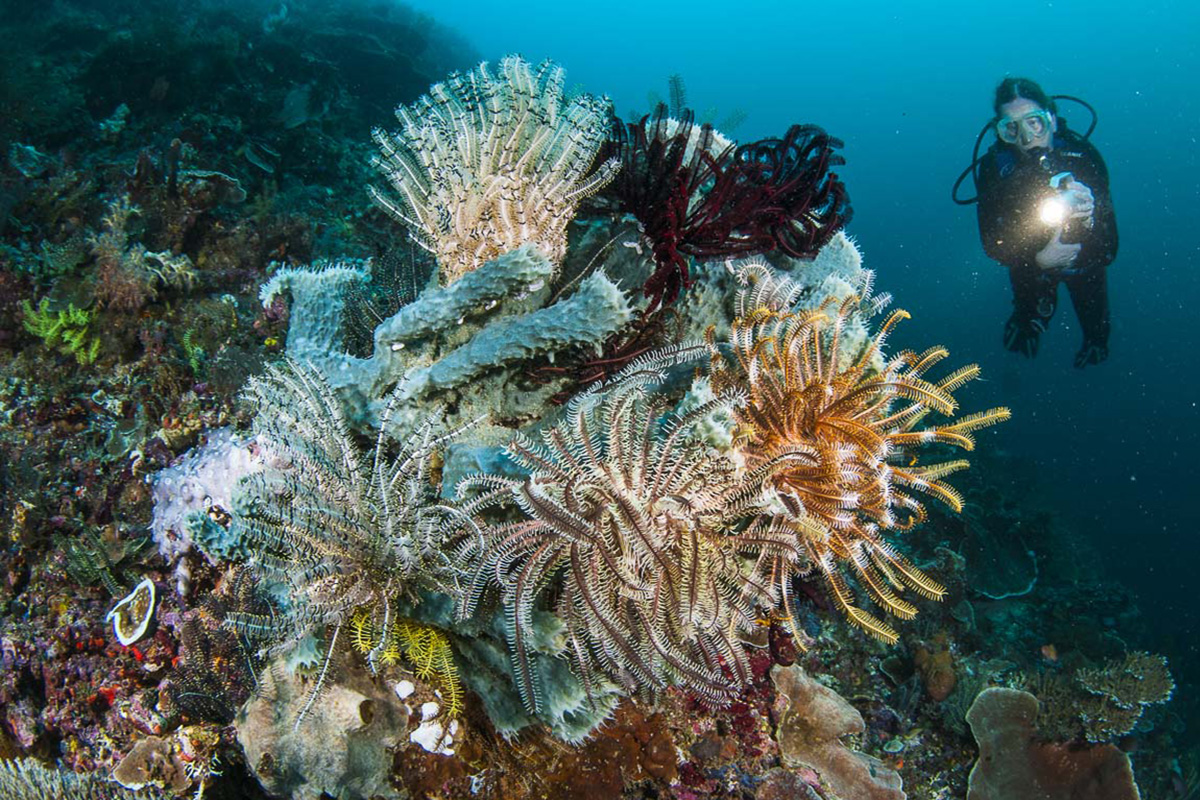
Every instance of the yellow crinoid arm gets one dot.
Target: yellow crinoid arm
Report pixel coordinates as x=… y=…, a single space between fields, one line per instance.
x=925 y=480
x=980 y=419
x=879 y=590
x=883 y=553
x=933 y=472
x=841 y=594
x=362 y=630
x=429 y=652
x=880 y=338
x=928 y=359
x=940 y=435
x=959 y=378
x=958 y=433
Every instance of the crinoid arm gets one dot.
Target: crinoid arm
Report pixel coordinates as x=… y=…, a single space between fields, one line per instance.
x=625 y=536
x=340 y=528
x=486 y=162
x=845 y=600
x=830 y=426
x=698 y=195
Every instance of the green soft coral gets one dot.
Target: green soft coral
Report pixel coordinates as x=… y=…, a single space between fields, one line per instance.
x=65 y=331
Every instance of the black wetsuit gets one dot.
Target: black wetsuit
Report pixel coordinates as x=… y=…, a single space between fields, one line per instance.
x=1011 y=187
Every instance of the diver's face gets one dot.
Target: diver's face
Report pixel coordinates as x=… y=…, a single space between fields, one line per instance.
x=1029 y=134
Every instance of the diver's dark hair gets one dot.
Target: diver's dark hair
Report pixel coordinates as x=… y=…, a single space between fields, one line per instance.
x=1012 y=88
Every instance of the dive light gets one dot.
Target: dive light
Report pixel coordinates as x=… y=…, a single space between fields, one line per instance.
x=1055 y=208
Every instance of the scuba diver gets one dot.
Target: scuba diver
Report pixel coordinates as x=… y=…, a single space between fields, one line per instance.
x=1045 y=212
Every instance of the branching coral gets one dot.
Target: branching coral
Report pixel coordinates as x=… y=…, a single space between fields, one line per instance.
x=338 y=529
x=483 y=163
x=1102 y=703
x=696 y=194
x=628 y=532
x=835 y=427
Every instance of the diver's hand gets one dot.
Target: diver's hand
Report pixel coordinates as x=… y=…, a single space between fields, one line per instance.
x=1057 y=255
x=1082 y=201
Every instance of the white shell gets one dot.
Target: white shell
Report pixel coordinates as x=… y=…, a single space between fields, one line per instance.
x=131 y=616
x=431 y=734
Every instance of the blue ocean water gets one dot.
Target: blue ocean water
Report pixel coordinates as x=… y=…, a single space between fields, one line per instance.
x=907 y=87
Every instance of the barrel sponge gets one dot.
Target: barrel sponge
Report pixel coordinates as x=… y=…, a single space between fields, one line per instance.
x=523 y=270
x=596 y=309
x=318 y=302
x=491 y=318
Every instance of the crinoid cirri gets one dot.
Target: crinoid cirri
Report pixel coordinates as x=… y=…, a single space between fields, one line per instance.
x=835 y=429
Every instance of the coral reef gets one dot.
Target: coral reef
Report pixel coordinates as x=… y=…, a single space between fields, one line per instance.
x=213 y=676
x=935 y=664
x=198 y=488
x=319 y=294
x=1132 y=684
x=630 y=595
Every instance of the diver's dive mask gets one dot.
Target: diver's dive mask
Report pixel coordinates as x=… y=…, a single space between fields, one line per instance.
x=1032 y=125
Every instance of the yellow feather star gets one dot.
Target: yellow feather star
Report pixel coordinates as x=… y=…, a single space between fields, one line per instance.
x=837 y=432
